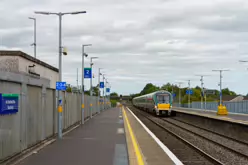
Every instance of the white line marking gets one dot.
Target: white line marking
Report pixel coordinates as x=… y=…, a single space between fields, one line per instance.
x=162 y=146
x=120 y=131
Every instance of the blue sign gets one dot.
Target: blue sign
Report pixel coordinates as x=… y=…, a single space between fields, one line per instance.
x=107 y=90
x=87 y=73
x=9 y=103
x=174 y=94
x=61 y=86
x=189 y=92
x=101 y=84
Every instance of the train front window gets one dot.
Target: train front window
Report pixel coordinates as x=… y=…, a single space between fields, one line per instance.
x=163 y=99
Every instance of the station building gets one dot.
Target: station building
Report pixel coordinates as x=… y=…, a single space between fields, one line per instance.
x=22 y=63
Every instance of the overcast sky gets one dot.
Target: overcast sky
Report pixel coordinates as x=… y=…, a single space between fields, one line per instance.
x=137 y=41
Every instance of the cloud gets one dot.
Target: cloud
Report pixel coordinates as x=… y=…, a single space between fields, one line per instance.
x=138 y=41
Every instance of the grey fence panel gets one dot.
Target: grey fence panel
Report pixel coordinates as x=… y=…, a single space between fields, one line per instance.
x=34 y=115
x=49 y=113
x=10 y=134
x=37 y=118
x=232 y=107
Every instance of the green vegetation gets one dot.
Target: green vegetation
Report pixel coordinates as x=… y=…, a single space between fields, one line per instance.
x=149 y=88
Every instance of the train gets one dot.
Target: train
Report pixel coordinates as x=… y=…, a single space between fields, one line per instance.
x=159 y=103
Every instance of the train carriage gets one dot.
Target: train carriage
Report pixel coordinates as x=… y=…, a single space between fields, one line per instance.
x=159 y=103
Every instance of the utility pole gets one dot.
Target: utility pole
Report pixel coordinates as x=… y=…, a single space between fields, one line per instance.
x=179 y=99
x=82 y=86
x=99 y=91
x=34 y=44
x=91 y=64
x=220 y=84
x=77 y=79
x=203 y=95
x=103 y=77
x=189 y=94
x=59 y=103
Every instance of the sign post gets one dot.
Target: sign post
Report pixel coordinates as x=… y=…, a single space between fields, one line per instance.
x=60 y=86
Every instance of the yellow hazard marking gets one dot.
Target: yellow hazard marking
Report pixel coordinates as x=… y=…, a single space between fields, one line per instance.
x=134 y=141
x=82 y=105
x=60 y=109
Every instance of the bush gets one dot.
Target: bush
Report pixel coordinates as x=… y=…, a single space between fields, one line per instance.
x=113 y=103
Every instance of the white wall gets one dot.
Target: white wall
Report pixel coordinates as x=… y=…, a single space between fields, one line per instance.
x=43 y=71
x=20 y=64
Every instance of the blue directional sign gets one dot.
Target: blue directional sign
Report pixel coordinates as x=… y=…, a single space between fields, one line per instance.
x=87 y=73
x=189 y=92
x=174 y=94
x=8 y=103
x=61 y=86
x=101 y=84
x=107 y=90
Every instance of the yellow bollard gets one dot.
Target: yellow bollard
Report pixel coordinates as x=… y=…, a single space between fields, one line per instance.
x=222 y=110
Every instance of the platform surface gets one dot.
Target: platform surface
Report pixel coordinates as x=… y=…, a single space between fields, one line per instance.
x=100 y=141
x=234 y=117
x=103 y=140
x=152 y=153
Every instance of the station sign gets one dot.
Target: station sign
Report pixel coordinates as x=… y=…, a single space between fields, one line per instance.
x=87 y=73
x=101 y=84
x=61 y=86
x=107 y=90
x=189 y=92
x=9 y=103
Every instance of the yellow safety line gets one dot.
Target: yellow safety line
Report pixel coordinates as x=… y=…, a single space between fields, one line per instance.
x=134 y=141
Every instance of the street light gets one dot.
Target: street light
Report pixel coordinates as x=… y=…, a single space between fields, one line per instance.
x=59 y=104
x=91 y=64
x=99 y=92
x=34 y=44
x=202 y=91
x=220 y=70
x=83 y=55
x=179 y=99
x=243 y=61
x=189 y=94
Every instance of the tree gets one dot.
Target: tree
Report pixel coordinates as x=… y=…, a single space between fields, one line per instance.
x=114 y=94
x=68 y=88
x=149 y=88
x=95 y=91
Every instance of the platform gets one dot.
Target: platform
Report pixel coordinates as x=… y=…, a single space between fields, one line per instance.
x=232 y=117
x=113 y=137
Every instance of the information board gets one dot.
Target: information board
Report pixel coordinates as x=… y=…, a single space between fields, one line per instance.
x=9 y=103
x=87 y=73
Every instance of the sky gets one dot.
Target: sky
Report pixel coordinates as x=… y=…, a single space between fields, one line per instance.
x=137 y=41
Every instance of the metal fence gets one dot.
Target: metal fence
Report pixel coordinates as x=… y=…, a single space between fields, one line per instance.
x=36 y=119
x=234 y=107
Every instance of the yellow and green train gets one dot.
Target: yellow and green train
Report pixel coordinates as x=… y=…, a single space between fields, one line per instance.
x=159 y=103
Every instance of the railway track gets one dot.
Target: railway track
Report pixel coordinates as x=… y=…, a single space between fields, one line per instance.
x=212 y=147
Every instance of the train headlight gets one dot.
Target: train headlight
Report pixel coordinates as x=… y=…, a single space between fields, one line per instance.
x=155 y=107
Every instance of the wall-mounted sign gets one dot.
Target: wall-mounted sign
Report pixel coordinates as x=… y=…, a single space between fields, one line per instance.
x=9 y=103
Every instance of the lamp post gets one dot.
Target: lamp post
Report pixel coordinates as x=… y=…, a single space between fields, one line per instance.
x=59 y=104
x=91 y=64
x=179 y=99
x=220 y=70
x=99 y=91
x=82 y=97
x=34 y=44
x=189 y=94
x=103 y=77
x=202 y=91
